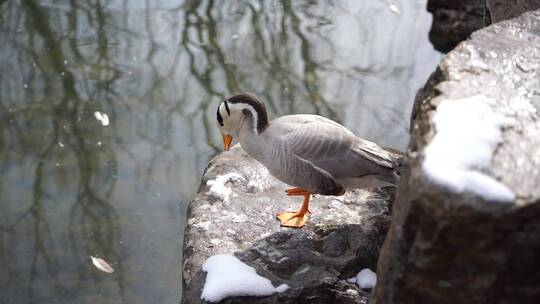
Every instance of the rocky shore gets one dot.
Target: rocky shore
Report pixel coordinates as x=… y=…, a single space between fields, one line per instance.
x=234 y=212
x=444 y=237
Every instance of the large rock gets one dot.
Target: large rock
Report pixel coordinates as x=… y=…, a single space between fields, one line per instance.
x=451 y=247
x=454 y=21
x=343 y=235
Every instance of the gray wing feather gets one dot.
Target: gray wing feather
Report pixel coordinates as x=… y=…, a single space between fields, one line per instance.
x=332 y=147
x=311 y=178
x=298 y=172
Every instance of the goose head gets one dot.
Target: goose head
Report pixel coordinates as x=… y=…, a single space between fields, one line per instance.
x=235 y=111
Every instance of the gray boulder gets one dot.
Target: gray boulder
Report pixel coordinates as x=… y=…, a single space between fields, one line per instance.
x=454 y=21
x=343 y=236
x=450 y=247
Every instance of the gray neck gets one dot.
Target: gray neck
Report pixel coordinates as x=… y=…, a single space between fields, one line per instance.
x=251 y=142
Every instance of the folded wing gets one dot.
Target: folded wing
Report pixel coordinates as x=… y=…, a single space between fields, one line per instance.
x=332 y=147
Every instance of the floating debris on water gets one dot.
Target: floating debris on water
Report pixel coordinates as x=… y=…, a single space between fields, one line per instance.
x=102 y=265
x=393 y=7
x=102 y=117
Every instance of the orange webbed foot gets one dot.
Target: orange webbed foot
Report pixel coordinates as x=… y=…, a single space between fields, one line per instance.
x=296 y=219
x=292 y=219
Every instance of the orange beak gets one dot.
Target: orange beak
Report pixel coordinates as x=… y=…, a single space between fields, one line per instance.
x=227 y=140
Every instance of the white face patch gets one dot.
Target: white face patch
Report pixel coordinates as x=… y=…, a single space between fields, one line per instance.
x=240 y=107
x=232 y=122
x=223 y=111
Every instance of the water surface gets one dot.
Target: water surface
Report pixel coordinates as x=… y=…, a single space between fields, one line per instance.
x=72 y=187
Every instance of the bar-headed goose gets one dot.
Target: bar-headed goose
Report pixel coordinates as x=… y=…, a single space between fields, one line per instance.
x=309 y=152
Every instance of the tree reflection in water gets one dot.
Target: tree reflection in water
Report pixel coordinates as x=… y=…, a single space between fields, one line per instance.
x=72 y=188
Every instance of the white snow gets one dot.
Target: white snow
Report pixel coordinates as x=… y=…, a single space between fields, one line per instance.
x=467 y=133
x=365 y=279
x=205 y=225
x=227 y=276
x=253 y=184
x=218 y=188
x=352 y=292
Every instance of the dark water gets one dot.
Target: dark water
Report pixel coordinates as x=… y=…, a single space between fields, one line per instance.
x=71 y=187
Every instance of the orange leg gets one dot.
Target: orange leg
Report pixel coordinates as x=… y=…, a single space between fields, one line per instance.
x=296 y=191
x=296 y=219
x=299 y=192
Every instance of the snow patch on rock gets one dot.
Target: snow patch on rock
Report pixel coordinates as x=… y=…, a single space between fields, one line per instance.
x=365 y=279
x=218 y=186
x=227 y=276
x=467 y=133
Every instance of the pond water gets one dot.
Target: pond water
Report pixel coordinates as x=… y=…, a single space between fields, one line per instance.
x=75 y=186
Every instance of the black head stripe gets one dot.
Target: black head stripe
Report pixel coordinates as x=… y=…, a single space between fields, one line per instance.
x=227 y=107
x=219 y=118
x=256 y=104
